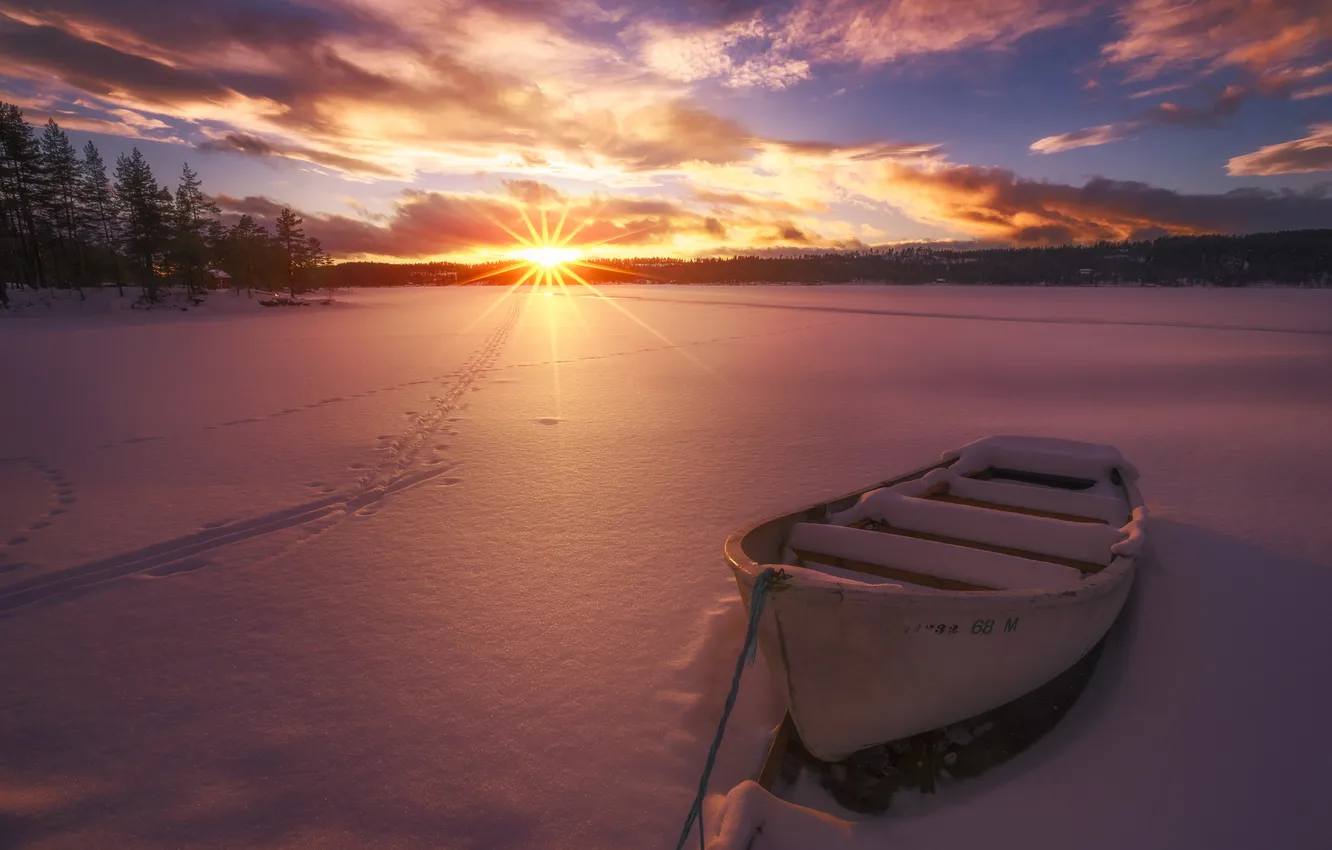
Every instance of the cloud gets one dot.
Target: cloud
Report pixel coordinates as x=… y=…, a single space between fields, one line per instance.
x=371 y=90
x=872 y=33
x=1316 y=91
x=255 y=146
x=434 y=224
x=1265 y=37
x=1311 y=153
x=1086 y=137
x=740 y=53
x=1163 y=114
x=995 y=204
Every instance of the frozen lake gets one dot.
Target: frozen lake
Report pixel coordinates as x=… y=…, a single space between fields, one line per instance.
x=428 y=569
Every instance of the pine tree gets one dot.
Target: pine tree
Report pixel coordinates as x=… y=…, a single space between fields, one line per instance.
x=58 y=207
x=99 y=214
x=250 y=255
x=291 y=240
x=19 y=187
x=310 y=257
x=192 y=212
x=144 y=215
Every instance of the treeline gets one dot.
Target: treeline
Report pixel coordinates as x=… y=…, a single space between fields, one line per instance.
x=391 y=274
x=1302 y=257
x=64 y=222
x=1294 y=257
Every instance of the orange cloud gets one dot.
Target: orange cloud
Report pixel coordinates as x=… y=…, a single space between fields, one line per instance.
x=429 y=225
x=995 y=204
x=1299 y=156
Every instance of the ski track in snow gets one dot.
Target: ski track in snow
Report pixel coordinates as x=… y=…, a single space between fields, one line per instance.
x=398 y=470
x=971 y=317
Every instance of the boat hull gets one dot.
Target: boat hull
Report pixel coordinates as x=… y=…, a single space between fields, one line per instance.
x=862 y=664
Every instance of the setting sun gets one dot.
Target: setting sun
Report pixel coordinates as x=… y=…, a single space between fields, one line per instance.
x=549 y=256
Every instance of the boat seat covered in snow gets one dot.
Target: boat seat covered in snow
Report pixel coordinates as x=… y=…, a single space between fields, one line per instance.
x=1070 y=543
x=922 y=561
x=999 y=514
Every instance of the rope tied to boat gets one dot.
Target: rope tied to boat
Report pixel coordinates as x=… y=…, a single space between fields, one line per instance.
x=767 y=581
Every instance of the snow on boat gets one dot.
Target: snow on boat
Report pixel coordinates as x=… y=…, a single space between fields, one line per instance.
x=944 y=593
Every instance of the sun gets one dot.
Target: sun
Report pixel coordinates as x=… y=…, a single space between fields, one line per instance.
x=548 y=256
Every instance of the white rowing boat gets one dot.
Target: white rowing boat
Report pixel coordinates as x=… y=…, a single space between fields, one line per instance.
x=944 y=593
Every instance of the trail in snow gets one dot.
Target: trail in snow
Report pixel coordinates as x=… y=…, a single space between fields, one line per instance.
x=972 y=317
x=399 y=470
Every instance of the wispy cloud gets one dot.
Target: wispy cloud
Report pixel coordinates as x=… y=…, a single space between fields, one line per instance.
x=1163 y=114
x=1316 y=91
x=872 y=33
x=1298 y=156
x=1264 y=37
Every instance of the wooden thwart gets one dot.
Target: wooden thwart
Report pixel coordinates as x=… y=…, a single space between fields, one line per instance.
x=893 y=573
x=1081 y=566
x=945 y=496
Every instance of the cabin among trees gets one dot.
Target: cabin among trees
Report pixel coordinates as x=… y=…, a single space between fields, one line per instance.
x=65 y=222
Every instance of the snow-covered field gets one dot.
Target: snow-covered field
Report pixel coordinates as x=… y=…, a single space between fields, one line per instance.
x=419 y=569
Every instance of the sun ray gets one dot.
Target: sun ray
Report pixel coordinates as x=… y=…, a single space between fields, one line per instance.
x=545 y=228
x=501 y=225
x=579 y=229
x=555 y=366
x=493 y=273
x=536 y=240
x=691 y=358
x=559 y=227
x=626 y=234
x=498 y=301
x=635 y=272
x=573 y=302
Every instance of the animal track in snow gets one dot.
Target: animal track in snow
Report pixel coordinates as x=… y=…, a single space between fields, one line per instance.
x=401 y=468
x=61 y=491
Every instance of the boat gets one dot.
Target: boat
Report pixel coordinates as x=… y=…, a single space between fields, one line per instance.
x=943 y=593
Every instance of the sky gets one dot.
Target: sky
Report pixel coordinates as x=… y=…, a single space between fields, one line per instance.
x=426 y=129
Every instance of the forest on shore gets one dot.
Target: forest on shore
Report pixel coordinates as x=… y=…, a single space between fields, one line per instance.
x=66 y=223
x=1291 y=258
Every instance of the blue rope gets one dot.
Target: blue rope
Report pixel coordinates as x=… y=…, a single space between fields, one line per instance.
x=758 y=595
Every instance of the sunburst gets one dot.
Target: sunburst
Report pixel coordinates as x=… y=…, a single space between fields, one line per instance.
x=550 y=259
